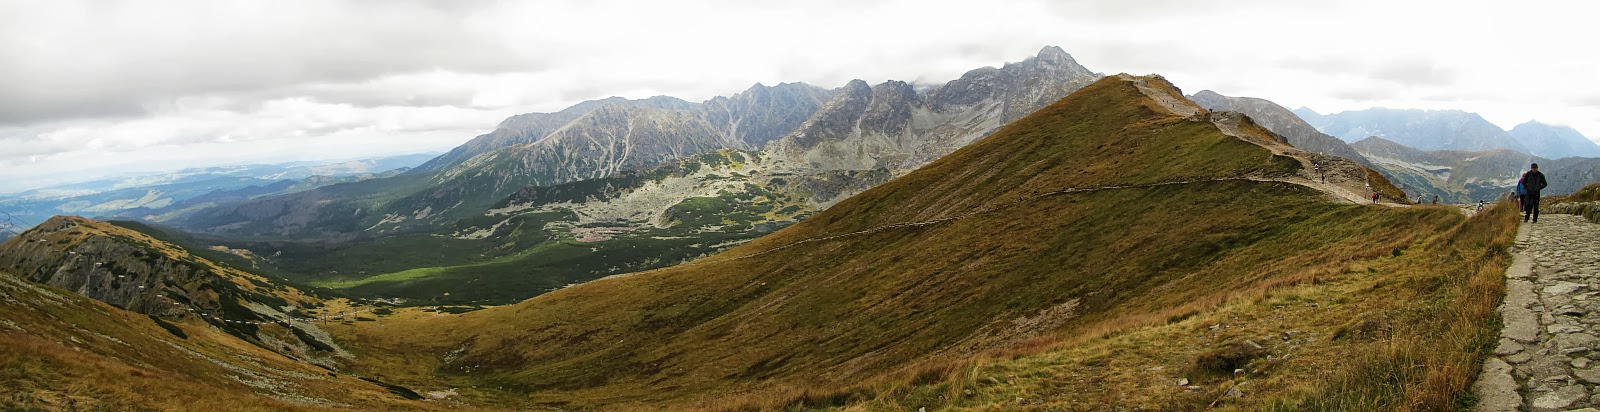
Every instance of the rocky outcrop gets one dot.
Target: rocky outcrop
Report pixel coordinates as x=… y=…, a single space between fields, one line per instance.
x=762 y=114
x=133 y=271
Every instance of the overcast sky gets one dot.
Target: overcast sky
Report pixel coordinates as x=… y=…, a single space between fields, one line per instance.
x=94 y=88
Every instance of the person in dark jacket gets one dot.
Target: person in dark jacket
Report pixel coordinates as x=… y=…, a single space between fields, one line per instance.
x=1533 y=182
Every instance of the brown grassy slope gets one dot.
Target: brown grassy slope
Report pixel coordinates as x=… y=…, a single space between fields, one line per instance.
x=61 y=351
x=830 y=313
x=1397 y=329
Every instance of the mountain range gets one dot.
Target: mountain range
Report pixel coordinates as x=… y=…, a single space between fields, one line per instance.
x=765 y=157
x=1121 y=248
x=1464 y=176
x=1451 y=130
x=808 y=129
x=1553 y=142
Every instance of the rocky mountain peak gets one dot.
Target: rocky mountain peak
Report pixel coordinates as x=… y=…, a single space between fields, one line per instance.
x=1054 y=54
x=856 y=87
x=1206 y=94
x=1056 y=58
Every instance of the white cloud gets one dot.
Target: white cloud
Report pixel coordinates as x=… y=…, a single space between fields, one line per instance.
x=126 y=85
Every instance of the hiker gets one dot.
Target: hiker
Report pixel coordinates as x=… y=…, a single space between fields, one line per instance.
x=1532 y=183
x=1436 y=199
x=1374 y=197
x=1480 y=205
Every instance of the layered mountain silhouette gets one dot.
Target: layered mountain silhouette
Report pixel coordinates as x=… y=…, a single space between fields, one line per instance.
x=1553 y=142
x=888 y=127
x=1466 y=176
x=1279 y=120
x=1452 y=130
x=1420 y=129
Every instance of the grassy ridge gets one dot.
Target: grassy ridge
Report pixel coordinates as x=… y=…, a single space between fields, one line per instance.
x=1397 y=322
x=842 y=317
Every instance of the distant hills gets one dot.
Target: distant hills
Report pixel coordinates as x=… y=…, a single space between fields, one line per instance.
x=1553 y=142
x=1465 y=176
x=150 y=196
x=1451 y=130
x=1458 y=155
x=1420 y=129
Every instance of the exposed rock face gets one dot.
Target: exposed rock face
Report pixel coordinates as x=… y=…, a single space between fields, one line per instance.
x=1420 y=129
x=130 y=270
x=892 y=126
x=762 y=114
x=532 y=127
x=1553 y=142
x=1281 y=121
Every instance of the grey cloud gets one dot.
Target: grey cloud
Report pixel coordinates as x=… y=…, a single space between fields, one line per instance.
x=116 y=73
x=1591 y=101
x=1413 y=72
x=365 y=95
x=1144 y=10
x=1323 y=64
x=1361 y=93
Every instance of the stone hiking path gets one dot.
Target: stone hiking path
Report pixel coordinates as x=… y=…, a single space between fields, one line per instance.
x=1548 y=358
